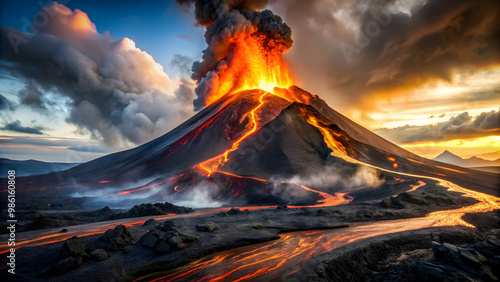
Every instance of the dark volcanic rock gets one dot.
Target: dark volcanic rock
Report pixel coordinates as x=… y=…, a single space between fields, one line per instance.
x=409 y=198
x=474 y=262
x=64 y=266
x=165 y=238
x=41 y=221
x=153 y=209
x=150 y=221
x=169 y=225
x=150 y=239
x=99 y=255
x=207 y=227
x=73 y=247
x=114 y=239
x=233 y=211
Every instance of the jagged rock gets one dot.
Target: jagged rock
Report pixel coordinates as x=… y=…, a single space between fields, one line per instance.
x=73 y=247
x=99 y=254
x=106 y=212
x=430 y=272
x=162 y=248
x=188 y=238
x=64 y=230
x=207 y=227
x=150 y=239
x=176 y=242
x=149 y=222
x=153 y=209
x=472 y=257
x=494 y=241
x=114 y=239
x=233 y=211
x=169 y=225
x=441 y=250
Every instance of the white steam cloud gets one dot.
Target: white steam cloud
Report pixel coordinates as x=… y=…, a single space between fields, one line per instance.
x=117 y=92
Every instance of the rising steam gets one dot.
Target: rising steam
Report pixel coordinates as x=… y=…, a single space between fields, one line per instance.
x=335 y=177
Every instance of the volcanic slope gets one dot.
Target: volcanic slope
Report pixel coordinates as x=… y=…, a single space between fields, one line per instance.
x=254 y=135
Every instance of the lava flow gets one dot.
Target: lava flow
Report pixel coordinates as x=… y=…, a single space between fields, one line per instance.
x=281 y=258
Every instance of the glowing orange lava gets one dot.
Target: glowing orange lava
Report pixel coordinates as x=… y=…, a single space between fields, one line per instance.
x=253 y=66
x=451 y=169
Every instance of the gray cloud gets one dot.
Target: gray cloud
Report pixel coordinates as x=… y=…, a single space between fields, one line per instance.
x=117 y=92
x=391 y=50
x=32 y=97
x=16 y=126
x=89 y=149
x=50 y=148
x=459 y=127
x=6 y=104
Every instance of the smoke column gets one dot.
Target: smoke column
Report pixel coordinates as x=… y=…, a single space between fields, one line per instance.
x=245 y=47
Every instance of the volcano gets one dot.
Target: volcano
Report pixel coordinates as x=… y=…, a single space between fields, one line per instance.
x=244 y=147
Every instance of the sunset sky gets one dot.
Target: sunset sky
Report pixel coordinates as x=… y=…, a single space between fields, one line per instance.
x=80 y=79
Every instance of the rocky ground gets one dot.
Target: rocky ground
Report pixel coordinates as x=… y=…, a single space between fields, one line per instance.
x=40 y=219
x=125 y=253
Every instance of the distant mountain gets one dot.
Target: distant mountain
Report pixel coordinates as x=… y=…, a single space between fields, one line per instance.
x=489 y=156
x=450 y=158
x=31 y=167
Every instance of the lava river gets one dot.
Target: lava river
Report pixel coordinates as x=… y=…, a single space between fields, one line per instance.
x=281 y=258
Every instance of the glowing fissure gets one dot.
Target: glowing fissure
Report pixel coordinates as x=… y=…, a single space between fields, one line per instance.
x=216 y=162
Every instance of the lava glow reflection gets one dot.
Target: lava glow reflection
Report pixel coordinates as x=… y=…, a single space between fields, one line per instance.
x=282 y=258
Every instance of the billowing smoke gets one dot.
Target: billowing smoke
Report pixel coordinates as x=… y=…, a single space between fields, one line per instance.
x=229 y=23
x=201 y=195
x=115 y=91
x=336 y=178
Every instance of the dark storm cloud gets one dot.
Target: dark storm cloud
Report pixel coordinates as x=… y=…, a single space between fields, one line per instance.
x=32 y=97
x=16 y=126
x=6 y=104
x=117 y=92
x=462 y=126
x=347 y=51
x=227 y=22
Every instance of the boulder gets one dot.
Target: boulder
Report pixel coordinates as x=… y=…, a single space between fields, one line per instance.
x=99 y=254
x=114 y=239
x=150 y=222
x=233 y=211
x=162 y=248
x=176 y=242
x=169 y=225
x=73 y=247
x=150 y=239
x=207 y=227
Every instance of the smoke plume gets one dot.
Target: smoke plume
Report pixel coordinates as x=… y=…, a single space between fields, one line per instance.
x=229 y=25
x=116 y=92
x=336 y=177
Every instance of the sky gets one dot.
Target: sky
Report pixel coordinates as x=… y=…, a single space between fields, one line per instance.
x=80 y=79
